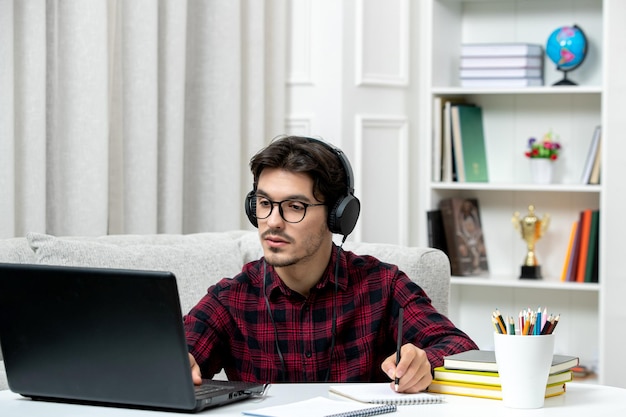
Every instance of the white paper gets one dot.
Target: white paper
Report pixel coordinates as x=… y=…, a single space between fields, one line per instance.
x=315 y=407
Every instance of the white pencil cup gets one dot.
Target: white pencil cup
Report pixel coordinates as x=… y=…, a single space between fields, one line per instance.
x=523 y=365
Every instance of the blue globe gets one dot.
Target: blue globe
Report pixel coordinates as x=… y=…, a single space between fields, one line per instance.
x=567 y=47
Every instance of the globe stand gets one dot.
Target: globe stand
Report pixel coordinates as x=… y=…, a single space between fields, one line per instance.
x=565 y=81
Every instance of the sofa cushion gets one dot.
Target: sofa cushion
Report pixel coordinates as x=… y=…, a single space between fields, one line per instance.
x=16 y=250
x=197 y=260
x=250 y=246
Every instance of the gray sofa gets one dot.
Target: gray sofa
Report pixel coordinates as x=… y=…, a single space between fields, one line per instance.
x=198 y=260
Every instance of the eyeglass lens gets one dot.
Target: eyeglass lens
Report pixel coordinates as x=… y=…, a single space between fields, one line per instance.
x=291 y=211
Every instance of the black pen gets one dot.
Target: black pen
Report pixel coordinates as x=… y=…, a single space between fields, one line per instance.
x=399 y=345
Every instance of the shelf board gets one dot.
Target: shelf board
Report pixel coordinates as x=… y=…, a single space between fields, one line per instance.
x=455 y=91
x=525 y=283
x=488 y=186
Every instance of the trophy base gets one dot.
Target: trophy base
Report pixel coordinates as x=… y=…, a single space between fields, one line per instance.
x=531 y=272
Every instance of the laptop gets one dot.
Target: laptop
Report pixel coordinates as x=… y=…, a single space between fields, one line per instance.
x=101 y=336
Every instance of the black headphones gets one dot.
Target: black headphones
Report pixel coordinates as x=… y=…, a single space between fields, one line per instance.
x=343 y=216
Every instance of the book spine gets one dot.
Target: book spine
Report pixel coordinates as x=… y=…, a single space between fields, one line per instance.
x=585 y=224
x=592 y=250
x=591 y=156
x=501 y=82
x=457 y=144
x=436 y=232
x=472 y=141
x=501 y=73
x=476 y=378
x=571 y=272
x=568 y=255
x=501 y=49
x=446 y=169
x=437 y=150
x=502 y=62
x=447 y=162
x=595 y=171
x=447 y=216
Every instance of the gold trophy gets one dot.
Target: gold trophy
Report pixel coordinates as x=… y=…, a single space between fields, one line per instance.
x=532 y=229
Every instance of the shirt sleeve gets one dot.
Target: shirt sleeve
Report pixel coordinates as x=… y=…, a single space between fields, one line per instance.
x=424 y=326
x=203 y=340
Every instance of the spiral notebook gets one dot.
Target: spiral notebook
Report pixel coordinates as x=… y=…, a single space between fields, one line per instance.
x=381 y=393
x=322 y=407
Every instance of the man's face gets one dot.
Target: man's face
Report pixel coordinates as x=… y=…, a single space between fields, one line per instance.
x=286 y=244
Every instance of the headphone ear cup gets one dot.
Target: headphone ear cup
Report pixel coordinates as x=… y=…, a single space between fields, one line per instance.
x=343 y=217
x=250 y=206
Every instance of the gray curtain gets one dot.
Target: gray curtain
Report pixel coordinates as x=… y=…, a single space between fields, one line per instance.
x=135 y=116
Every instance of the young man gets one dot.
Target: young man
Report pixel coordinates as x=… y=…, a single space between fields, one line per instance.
x=308 y=311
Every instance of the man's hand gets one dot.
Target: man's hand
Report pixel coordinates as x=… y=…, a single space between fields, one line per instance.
x=196 y=376
x=413 y=370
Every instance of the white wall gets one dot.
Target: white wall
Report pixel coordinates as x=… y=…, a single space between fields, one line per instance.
x=351 y=82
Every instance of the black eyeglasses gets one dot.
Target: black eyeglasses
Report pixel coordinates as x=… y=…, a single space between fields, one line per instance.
x=292 y=211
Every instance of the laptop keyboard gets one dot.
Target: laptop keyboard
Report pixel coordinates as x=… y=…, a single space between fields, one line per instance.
x=205 y=389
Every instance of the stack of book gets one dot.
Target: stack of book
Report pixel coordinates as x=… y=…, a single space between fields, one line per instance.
x=581 y=259
x=501 y=65
x=475 y=374
x=459 y=145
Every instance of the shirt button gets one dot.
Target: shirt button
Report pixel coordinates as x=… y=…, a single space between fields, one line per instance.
x=308 y=354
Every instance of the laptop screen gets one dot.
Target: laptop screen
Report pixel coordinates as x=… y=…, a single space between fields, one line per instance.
x=95 y=335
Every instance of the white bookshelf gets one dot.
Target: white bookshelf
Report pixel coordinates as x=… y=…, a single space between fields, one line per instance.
x=510 y=117
x=529 y=284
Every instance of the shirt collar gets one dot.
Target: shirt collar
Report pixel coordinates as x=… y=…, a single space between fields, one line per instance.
x=273 y=281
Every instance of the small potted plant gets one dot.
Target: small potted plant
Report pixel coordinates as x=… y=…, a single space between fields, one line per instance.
x=542 y=154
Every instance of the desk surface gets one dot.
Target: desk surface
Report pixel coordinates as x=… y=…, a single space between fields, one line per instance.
x=579 y=400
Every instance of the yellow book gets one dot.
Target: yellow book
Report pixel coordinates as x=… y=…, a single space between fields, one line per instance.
x=568 y=255
x=493 y=392
x=489 y=378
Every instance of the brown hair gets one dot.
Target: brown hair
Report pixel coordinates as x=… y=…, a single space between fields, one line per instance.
x=304 y=155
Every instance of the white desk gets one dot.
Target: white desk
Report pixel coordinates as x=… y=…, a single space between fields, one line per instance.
x=582 y=400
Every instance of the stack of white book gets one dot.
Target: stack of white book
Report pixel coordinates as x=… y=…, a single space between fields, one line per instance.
x=501 y=65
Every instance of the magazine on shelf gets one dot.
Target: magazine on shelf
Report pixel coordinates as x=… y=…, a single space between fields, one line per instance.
x=464 y=236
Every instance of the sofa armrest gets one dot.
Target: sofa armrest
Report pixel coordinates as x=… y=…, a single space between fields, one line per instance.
x=428 y=267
